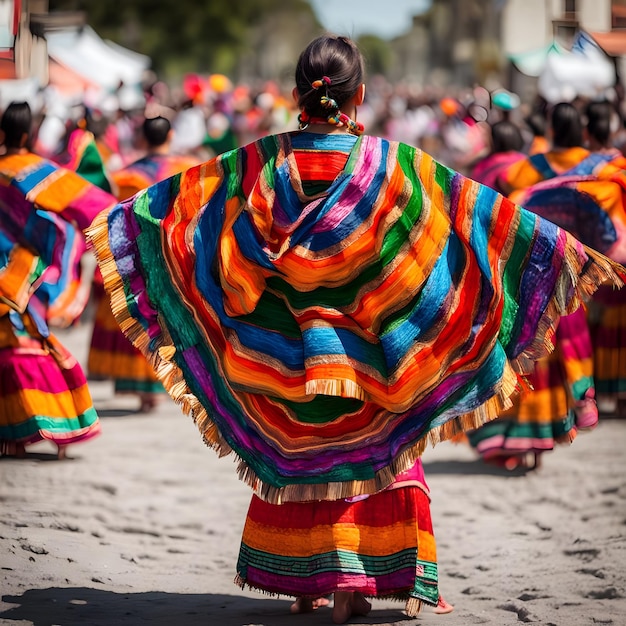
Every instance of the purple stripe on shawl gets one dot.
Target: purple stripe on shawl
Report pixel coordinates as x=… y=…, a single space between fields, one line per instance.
x=124 y=231
x=15 y=206
x=534 y=275
x=455 y=193
x=362 y=176
x=194 y=362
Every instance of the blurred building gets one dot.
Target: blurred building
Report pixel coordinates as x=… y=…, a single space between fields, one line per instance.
x=455 y=42
x=39 y=49
x=504 y=43
x=535 y=32
x=22 y=52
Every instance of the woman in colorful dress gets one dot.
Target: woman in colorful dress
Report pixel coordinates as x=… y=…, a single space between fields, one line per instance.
x=560 y=396
x=506 y=149
x=608 y=307
x=43 y=209
x=566 y=138
x=111 y=355
x=324 y=303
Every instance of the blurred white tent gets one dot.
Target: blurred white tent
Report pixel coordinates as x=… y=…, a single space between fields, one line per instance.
x=97 y=62
x=533 y=62
x=584 y=71
x=20 y=90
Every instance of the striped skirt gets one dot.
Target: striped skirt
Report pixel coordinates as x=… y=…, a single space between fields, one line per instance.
x=43 y=392
x=609 y=340
x=561 y=400
x=113 y=357
x=382 y=546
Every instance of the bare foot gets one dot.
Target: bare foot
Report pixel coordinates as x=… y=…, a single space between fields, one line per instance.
x=302 y=605
x=308 y=605
x=442 y=607
x=347 y=604
x=13 y=448
x=61 y=452
x=342 y=606
x=360 y=606
x=149 y=402
x=319 y=602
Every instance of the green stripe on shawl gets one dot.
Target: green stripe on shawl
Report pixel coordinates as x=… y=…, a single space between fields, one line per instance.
x=323 y=409
x=512 y=276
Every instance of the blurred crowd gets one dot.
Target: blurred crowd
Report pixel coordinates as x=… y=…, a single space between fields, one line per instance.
x=211 y=114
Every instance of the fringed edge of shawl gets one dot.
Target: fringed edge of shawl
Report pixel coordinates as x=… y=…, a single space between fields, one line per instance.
x=583 y=280
x=413 y=607
x=167 y=372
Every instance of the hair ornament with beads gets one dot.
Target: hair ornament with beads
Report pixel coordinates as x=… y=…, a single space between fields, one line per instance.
x=328 y=103
x=304 y=119
x=341 y=119
x=320 y=82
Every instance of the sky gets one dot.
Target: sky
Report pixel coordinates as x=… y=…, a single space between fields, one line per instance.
x=385 y=18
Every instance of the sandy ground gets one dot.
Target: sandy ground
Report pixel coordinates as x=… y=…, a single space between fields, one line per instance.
x=142 y=525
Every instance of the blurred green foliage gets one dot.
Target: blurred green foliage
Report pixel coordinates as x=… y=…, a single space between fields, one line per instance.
x=183 y=35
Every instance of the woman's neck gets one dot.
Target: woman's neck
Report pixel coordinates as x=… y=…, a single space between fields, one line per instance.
x=343 y=123
x=20 y=150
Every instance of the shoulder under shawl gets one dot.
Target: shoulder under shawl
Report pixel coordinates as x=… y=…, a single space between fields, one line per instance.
x=325 y=340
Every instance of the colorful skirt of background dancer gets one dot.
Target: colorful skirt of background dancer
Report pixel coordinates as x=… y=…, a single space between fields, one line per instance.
x=113 y=357
x=609 y=342
x=43 y=391
x=559 y=402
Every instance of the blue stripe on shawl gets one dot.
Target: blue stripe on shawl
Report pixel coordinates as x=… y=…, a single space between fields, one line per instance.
x=41 y=230
x=588 y=165
x=249 y=241
x=6 y=245
x=360 y=212
x=481 y=221
x=318 y=341
x=27 y=180
x=426 y=308
x=51 y=291
x=159 y=196
x=286 y=196
x=322 y=141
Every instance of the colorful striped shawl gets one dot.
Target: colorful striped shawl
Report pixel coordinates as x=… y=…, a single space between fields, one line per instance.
x=83 y=157
x=488 y=170
x=326 y=339
x=43 y=209
x=588 y=202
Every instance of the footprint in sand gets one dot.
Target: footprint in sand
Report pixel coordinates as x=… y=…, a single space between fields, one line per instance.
x=591 y=572
x=584 y=554
x=523 y=614
x=610 y=593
